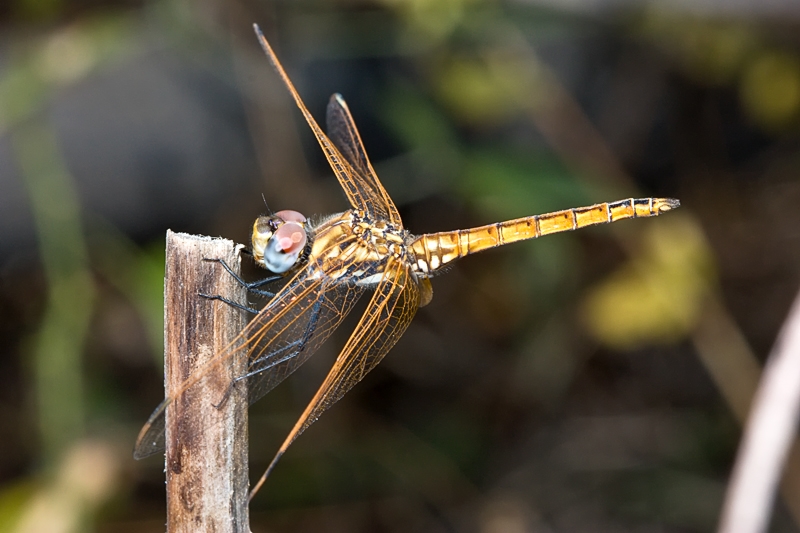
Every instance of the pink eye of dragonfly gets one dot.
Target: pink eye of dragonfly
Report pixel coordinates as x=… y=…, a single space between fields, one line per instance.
x=332 y=263
x=288 y=215
x=279 y=240
x=291 y=237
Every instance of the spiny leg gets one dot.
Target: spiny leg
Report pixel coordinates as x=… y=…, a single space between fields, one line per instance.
x=250 y=287
x=230 y=302
x=236 y=381
x=300 y=345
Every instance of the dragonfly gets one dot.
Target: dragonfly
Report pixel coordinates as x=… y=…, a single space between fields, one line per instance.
x=329 y=263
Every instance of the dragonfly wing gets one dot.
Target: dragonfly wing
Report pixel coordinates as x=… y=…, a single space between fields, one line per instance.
x=344 y=135
x=284 y=334
x=361 y=197
x=388 y=314
x=151 y=436
x=275 y=352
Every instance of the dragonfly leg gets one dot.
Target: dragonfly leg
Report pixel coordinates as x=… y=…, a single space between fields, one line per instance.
x=299 y=343
x=237 y=305
x=235 y=381
x=250 y=287
x=226 y=394
x=277 y=362
x=290 y=351
x=295 y=346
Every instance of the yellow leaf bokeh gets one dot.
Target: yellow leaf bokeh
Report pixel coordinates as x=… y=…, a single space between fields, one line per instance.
x=657 y=296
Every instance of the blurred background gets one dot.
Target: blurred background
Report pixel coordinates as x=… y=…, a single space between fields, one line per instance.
x=593 y=381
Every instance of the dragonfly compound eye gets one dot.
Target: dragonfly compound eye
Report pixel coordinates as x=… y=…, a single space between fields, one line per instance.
x=284 y=248
x=291 y=238
x=279 y=239
x=288 y=215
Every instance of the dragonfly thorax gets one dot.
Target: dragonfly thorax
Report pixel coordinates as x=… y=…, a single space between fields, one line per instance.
x=353 y=248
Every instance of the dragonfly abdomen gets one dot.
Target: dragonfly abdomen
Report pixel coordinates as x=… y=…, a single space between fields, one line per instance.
x=434 y=250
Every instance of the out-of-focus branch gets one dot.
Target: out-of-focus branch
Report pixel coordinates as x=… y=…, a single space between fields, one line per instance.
x=768 y=435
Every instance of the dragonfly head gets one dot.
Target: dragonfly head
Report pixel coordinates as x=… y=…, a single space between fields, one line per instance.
x=279 y=240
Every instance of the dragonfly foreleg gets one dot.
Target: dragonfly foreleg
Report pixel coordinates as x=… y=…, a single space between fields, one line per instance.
x=250 y=287
x=228 y=301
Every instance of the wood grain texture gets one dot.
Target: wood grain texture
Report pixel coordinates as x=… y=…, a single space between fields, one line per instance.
x=206 y=432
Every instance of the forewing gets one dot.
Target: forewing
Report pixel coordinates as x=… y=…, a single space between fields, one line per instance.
x=388 y=314
x=284 y=334
x=344 y=135
x=361 y=197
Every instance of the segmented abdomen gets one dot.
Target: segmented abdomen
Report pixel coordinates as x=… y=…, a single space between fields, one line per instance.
x=434 y=250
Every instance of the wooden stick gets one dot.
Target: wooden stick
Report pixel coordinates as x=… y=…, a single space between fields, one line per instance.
x=206 y=432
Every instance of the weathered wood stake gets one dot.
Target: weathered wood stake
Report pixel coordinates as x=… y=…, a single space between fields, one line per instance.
x=206 y=433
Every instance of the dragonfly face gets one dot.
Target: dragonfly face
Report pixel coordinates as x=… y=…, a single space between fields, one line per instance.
x=279 y=240
x=332 y=263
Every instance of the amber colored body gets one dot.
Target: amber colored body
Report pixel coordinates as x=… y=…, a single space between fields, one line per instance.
x=435 y=250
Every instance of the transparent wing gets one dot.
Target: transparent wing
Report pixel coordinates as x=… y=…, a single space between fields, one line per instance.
x=359 y=189
x=277 y=351
x=277 y=341
x=344 y=135
x=386 y=318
